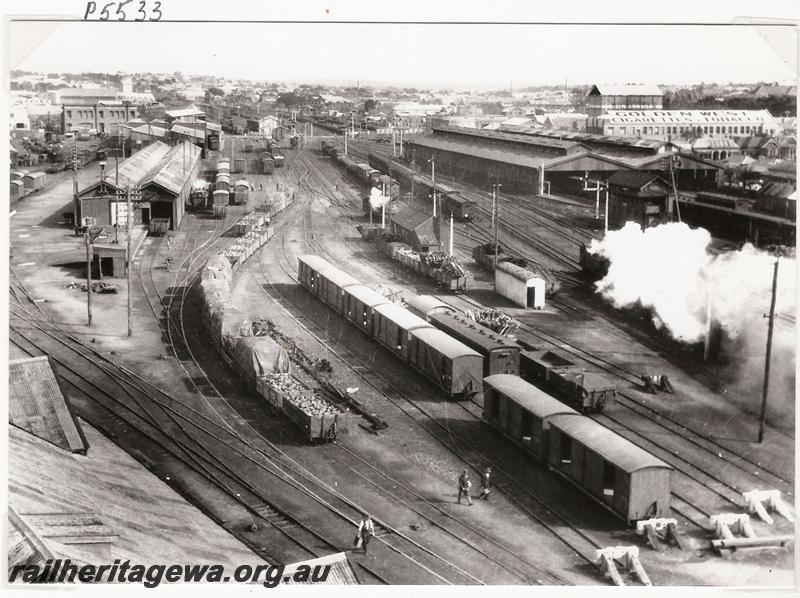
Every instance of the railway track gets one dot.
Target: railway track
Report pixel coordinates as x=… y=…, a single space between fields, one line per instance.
x=708 y=446
x=707 y=467
x=360 y=366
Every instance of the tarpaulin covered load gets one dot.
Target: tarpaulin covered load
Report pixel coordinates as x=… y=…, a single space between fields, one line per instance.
x=260 y=355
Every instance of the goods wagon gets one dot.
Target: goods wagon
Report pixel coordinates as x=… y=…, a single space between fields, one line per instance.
x=587 y=391
x=521 y=411
x=623 y=477
x=426 y=305
x=446 y=272
x=629 y=481
x=452 y=366
x=459 y=206
x=359 y=305
x=241 y=191
x=278 y=156
x=500 y=355
x=392 y=326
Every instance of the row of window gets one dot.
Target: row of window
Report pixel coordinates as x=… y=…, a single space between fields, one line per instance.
x=677 y=129
x=101 y=113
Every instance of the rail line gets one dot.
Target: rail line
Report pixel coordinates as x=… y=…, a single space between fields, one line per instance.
x=382 y=383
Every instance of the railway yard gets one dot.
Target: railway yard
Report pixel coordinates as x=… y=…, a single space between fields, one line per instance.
x=173 y=396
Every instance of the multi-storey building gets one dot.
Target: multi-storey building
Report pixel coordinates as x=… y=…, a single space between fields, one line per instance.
x=602 y=99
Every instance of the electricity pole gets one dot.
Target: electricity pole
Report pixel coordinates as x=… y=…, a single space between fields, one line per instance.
x=128 y=220
x=765 y=391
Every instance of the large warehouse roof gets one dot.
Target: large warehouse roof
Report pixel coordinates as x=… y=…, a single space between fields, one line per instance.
x=37 y=404
x=172 y=171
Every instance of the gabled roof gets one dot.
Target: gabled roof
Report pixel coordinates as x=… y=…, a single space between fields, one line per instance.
x=38 y=405
x=172 y=171
x=181 y=112
x=410 y=218
x=753 y=142
x=609 y=445
x=633 y=179
x=179 y=129
x=629 y=89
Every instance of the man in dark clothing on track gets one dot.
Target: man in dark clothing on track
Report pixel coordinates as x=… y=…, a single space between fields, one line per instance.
x=464 y=484
x=486 y=483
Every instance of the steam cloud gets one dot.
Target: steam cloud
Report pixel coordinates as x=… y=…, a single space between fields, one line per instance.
x=668 y=269
x=376 y=199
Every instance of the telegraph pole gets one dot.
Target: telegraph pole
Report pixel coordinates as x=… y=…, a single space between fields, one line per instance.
x=433 y=182
x=89 y=256
x=765 y=392
x=128 y=261
x=77 y=207
x=496 y=188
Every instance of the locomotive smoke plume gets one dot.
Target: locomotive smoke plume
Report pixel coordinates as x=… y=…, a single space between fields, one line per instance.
x=669 y=270
x=376 y=199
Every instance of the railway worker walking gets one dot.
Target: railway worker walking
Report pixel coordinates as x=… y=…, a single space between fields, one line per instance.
x=486 y=483
x=464 y=484
x=366 y=529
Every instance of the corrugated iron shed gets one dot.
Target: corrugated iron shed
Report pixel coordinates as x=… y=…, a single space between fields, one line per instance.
x=135 y=168
x=37 y=404
x=174 y=168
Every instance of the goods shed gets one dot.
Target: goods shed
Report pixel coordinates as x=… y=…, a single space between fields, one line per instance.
x=523 y=287
x=622 y=476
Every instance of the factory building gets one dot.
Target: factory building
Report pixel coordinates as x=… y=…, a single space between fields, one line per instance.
x=603 y=99
x=98 y=109
x=671 y=124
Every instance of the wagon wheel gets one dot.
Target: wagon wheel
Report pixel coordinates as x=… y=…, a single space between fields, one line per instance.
x=601 y=403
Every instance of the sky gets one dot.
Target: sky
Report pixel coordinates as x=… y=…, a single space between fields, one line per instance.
x=456 y=56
